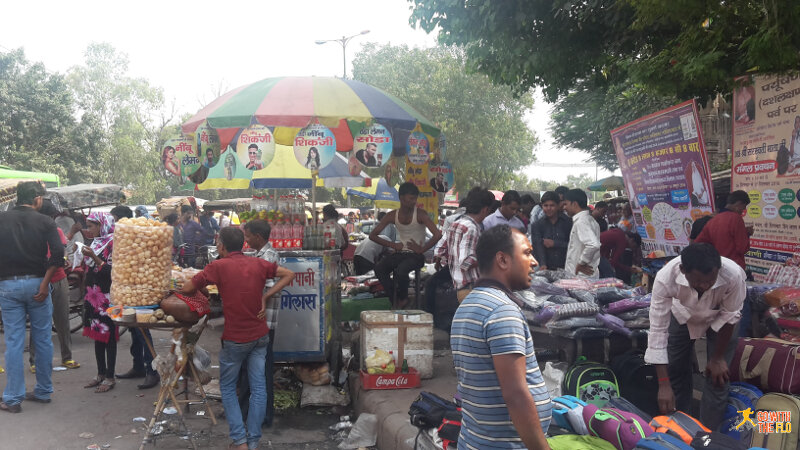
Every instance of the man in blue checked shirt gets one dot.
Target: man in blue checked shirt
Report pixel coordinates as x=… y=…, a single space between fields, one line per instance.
x=505 y=401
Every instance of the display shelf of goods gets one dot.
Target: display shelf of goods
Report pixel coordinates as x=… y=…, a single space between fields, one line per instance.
x=142 y=262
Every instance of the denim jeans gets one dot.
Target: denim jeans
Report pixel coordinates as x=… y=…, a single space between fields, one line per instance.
x=17 y=303
x=231 y=357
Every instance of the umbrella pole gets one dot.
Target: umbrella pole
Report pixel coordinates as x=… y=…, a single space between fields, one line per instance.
x=314 y=198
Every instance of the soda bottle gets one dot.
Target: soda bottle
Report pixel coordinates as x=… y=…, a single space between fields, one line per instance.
x=271 y=233
x=297 y=234
x=404 y=367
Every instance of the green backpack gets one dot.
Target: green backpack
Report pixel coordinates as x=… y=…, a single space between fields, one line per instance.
x=578 y=442
x=591 y=382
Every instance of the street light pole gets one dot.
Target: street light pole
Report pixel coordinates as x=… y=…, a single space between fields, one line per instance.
x=343 y=42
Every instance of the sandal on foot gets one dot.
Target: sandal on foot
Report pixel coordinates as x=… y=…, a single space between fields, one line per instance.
x=71 y=364
x=94 y=383
x=105 y=386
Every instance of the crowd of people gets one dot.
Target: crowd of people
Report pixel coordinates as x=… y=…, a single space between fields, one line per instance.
x=485 y=250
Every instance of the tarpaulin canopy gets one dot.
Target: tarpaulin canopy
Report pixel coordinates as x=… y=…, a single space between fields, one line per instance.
x=385 y=196
x=49 y=179
x=337 y=174
x=612 y=183
x=79 y=196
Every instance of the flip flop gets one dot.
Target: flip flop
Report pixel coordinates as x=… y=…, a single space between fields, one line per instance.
x=105 y=386
x=71 y=364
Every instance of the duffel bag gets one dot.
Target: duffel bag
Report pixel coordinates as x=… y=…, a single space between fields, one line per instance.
x=777 y=440
x=768 y=363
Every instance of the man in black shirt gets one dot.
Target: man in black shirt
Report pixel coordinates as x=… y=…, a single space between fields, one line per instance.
x=550 y=234
x=25 y=272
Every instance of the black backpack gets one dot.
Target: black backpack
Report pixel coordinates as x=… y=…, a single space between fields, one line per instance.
x=591 y=382
x=431 y=411
x=638 y=380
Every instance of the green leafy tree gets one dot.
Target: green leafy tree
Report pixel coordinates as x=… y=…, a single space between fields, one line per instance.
x=583 y=120
x=38 y=130
x=487 y=137
x=132 y=120
x=684 y=48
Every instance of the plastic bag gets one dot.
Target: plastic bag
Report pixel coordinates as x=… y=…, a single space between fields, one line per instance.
x=606 y=295
x=614 y=323
x=573 y=283
x=582 y=295
x=315 y=374
x=363 y=434
x=553 y=275
x=638 y=323
x=553 y=375
x=607 y=282
x=532 y=301
x=576 y=310
x=574 y=322
x=562 y=299
x=628 y=304
x=539 y=279
x=635 y=314
x=202 y=359
x=379 y=362
x=541 y=288
x=546 y=314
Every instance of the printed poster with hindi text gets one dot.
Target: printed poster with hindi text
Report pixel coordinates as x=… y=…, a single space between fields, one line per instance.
x=766 y=165
x=664 y=165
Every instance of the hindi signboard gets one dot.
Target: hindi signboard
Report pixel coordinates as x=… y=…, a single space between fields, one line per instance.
x=766 y=165
x=665 y=168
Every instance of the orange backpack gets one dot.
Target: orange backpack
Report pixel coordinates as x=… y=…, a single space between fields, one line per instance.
x=680 y=425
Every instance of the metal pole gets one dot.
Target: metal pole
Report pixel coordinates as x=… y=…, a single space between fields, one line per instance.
x=344 y=58
x=314 y=198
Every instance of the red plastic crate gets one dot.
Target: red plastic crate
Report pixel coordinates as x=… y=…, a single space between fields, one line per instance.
x=395 y=380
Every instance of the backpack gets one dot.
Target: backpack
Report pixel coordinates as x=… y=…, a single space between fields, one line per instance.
x=741 y=397
x=622 y=429
x=568 y=414
x=661 y=441
x=575 y=442
x=450 y=429
x=638 y=381
x=429 y=410
x=624 y=405
x=778 y=441
x=591 y=382
x=717 y=441
x=680 y=425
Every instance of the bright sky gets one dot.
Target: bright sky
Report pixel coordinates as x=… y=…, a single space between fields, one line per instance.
x=191 y=49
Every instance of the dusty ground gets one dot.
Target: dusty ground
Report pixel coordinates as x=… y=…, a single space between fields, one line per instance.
x=109 y=418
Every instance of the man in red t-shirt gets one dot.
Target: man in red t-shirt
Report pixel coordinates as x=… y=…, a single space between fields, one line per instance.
x=727 y=231
x=240 y=280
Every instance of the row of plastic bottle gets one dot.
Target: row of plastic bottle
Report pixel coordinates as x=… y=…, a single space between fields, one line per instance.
x=292 y=206
x=286 y=235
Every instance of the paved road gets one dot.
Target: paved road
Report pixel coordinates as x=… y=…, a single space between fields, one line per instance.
x=109 y=417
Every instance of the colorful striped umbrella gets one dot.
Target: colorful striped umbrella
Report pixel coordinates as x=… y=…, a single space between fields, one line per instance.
x=345 y=106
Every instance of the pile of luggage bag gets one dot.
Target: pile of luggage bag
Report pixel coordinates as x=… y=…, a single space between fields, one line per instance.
x=616 y=407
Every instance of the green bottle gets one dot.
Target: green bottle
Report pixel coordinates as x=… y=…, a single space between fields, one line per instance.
x=404 y=367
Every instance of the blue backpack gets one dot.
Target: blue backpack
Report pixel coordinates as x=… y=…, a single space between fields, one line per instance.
x=741 y=397
x=661 y=441
x=568 y=414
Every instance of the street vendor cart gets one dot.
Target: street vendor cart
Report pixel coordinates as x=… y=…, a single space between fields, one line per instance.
x=310 y=308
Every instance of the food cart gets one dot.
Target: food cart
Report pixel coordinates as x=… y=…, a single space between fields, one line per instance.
x=310 y=308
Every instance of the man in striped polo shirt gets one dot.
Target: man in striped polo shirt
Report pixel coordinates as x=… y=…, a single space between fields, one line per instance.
x=505 y=401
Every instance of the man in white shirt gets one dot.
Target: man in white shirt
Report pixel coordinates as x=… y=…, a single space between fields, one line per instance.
x=583 y=251
x=369 y=252
x=698 y=294
x=506 y=214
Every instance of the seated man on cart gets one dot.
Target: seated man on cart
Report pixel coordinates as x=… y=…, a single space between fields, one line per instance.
x=241 y=280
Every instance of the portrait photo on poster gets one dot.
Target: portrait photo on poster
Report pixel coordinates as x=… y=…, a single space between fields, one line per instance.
x=417 y=148
x=314 y=147
x=230 y=166
x=441 y=177
x=255 y=147
x=372 y=146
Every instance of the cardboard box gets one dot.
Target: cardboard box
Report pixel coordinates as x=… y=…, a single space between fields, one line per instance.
x=408 y=334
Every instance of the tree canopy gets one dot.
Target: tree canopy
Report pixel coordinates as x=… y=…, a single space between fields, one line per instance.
x=683 y=48
x=487 y=137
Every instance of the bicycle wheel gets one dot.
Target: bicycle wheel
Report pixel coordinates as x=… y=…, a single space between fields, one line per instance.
x=75 y=317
